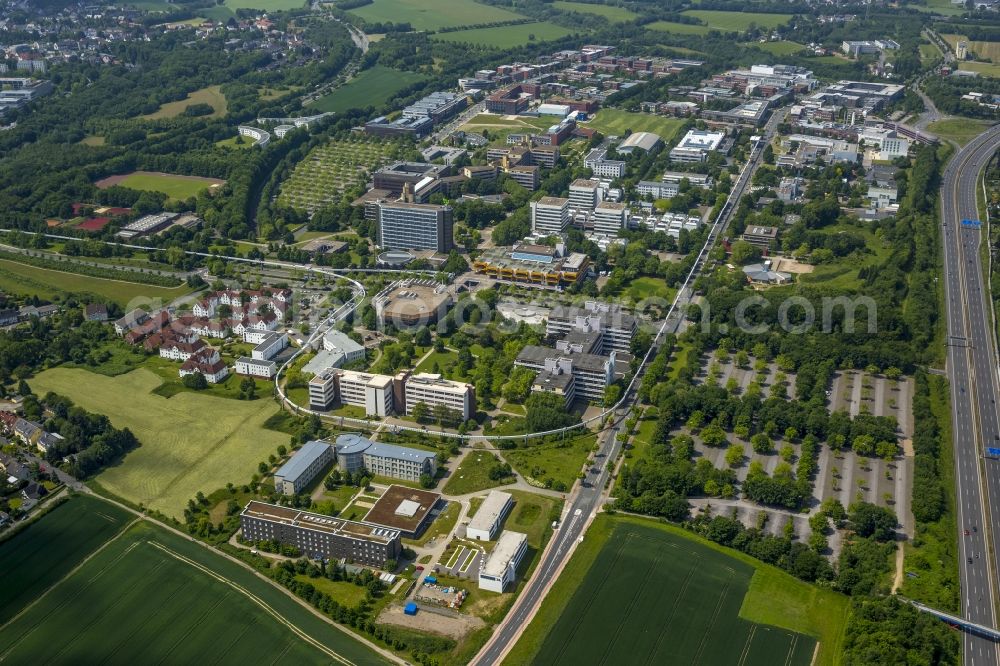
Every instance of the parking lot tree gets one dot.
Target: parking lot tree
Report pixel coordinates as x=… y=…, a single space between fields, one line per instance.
x=761 y=443
x=871 y=520
x=713 y=435
x=734 y=455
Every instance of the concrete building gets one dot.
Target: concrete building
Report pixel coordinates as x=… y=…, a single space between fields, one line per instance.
x=642 y=141
x=500 y=568
x=394 y=177
x=405 y=509
x=255 y=367
x=412 y=302
x=344 y=350
x=432 y=390
x=762 y=237
x=399 y=462
x=293 y=477
x=410 y=226
x=615 y=326
x=538 y=265
x=584 y=194
x=322 y=390
x=609 y=218
x=696 y=145
x=363 y=389
x=596 y=160
x=350 y=451
x=549 y=215
x=320 y=537
x=488 y=520
x=271 y=343
x=592 y=373
x=527 y=176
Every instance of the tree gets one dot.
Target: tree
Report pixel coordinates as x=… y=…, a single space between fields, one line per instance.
x=248 y=388
x=761 y=443
x=195 y=381
x=421 y=412
x=427 y=481
x=871 y=520
x=743 y=253
x=734 y=455
x=713 y=435
x=518 y=387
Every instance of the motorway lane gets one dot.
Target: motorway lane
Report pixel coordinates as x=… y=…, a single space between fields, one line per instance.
x=972 y=370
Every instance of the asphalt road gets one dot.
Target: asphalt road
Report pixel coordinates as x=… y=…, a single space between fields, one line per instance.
x=972 y=371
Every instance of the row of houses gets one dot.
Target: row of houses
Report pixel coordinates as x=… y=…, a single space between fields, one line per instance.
x=30 y=433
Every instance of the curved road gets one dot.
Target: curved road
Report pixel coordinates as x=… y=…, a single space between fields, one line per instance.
x=972 y=371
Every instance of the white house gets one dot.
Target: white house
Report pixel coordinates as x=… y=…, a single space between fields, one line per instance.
x=255 y=367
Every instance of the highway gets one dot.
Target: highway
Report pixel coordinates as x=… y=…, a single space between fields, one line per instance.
x=972 y=371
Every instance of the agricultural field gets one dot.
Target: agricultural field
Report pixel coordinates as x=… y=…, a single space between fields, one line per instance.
x=737 y=21
x=266 y=5
x=189 y=442
x=212 y=95
x=988 y=50
x=507 y=36
x=372 y=87
x=154 y=592
x=712 y=605
x=50 y=547
x=959 y=130
x=990 y=69
x=174 y=186
x=433 y=14
x=607 y=11
x=616 y=122
x=330 y=169
x=943 y=7
x=678 y=28
x=18 y=278
x=780 y=48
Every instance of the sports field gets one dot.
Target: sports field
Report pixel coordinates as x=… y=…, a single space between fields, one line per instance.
x=174 y=186
x=212 y=95
x=737 y=21
x=615 y=122
x=507 y=36
x=433 y=14
x=49 y=548
x=152 y=592
x=607 y=11
x=190 y=442
x=638 y=587
x=20 y=278
x=372 y=87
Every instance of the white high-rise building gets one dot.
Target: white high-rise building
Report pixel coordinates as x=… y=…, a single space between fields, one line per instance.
x=609 y=218
x=549 y=215
x=584 y=194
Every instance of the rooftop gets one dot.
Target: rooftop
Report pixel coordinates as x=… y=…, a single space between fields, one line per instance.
x=380 y=450
x=503 y=553
x=490 y=510
x=403 y=508
x=302 y=459
x=320 y=523
x=351 y=443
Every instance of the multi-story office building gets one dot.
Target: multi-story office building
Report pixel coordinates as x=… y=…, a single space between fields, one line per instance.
x=584 y=194
x=343 y=349
x=395 y=177
x=500 y=568
x=489 y=517
x=350 y=449
x=320 y=537
x=598 y=162
x=698 y=180
x=437 y=106
x=409 y=226
x=434 y=390
x=363 y=389
x=609 y=218
x=759 y=236
x=322 y=390
x=592 y=373
x=526 y=176
x=255 y=367
x=696 y=145
x=399 y=462
x=302 y=467
x=617 y=328
x=549 y=215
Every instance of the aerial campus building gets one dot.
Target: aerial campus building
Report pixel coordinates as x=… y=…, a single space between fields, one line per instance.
x=302 y=467
x=615 y=327
x=320 y=537
x=534 y=265
x=355 y=452
x=413 y=226
x=488 y=519
x=500 y=568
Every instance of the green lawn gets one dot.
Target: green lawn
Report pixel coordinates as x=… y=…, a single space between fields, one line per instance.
x=17 y=278
x=737 y=21
x=49 y=548
x=943 y=7
x=266 y=5
x=441 y=526
x=989 y=69
x=473 y=474
x=651 y=287
x=679 y=28
x=153 y=592
x=781 y=48
x=346 y=593
x=212 y=95
x=959 y=130
x=507 y=36
x=190 y=442
x=533 y=515
x=433 y=14
x=712 y=605
x=559 y=461
x=174 y=186
x=607 y=11
x=372 y=87
x=236 y=143
x=616 y=121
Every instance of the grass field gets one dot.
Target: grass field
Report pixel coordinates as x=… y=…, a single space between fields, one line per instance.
x=943 y=7
x=781 y=48
x=433 y=14
x=560 y=460
x=616 y=121
x=174 y=186
x=989 y=69
x=607 y=11
x=49 y=548
x=533 y=515
x=737 y=21
x=152 y=592
x=93 y=140
x=372 y=87
x=189 y=442
x=212 y=95
x=711 y=605
x=266 y=5
x=650 y=287
x=507 y=36
x=473 y=474
x=679 y=28
x=961 y=131
x=20 y=278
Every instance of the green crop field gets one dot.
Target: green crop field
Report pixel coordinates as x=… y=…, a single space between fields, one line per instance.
x=152 y=592
x=190 y=442
x=49 y=548
x=372 y=87
x=333 y=167
x=989 y=69
x=987 y=50
x=212 y=95
x=638 y=587
x=781 y=48
x=607 y=11
x=507 y=36
x=616 y=122
x=737 y=21
x=45 y=283
x=433 y=14
x=174 y=186
x=266 y=5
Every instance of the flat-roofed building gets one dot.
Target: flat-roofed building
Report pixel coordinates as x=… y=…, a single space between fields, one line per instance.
x=293 y=477
x=350 y=449
x=500 y=568
x=616 y=327
x=527 y=176
x=609 y=218
x=486 y=524
x=344 y=350
x=592 y=373
x=412 y=226
x=759 y=236
x=270 y=343
x=696 y=145
x=320 y=537
x=584 y=194
x=364 y=389
x=432 y=389
x=399 y=462
x=533 y=265
x=405 y=509
x=322 y=390
x=598 y=162
x=549 y=215
x=699 y=180
x=255 y=367
x=394 y=178
x=412 y=302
